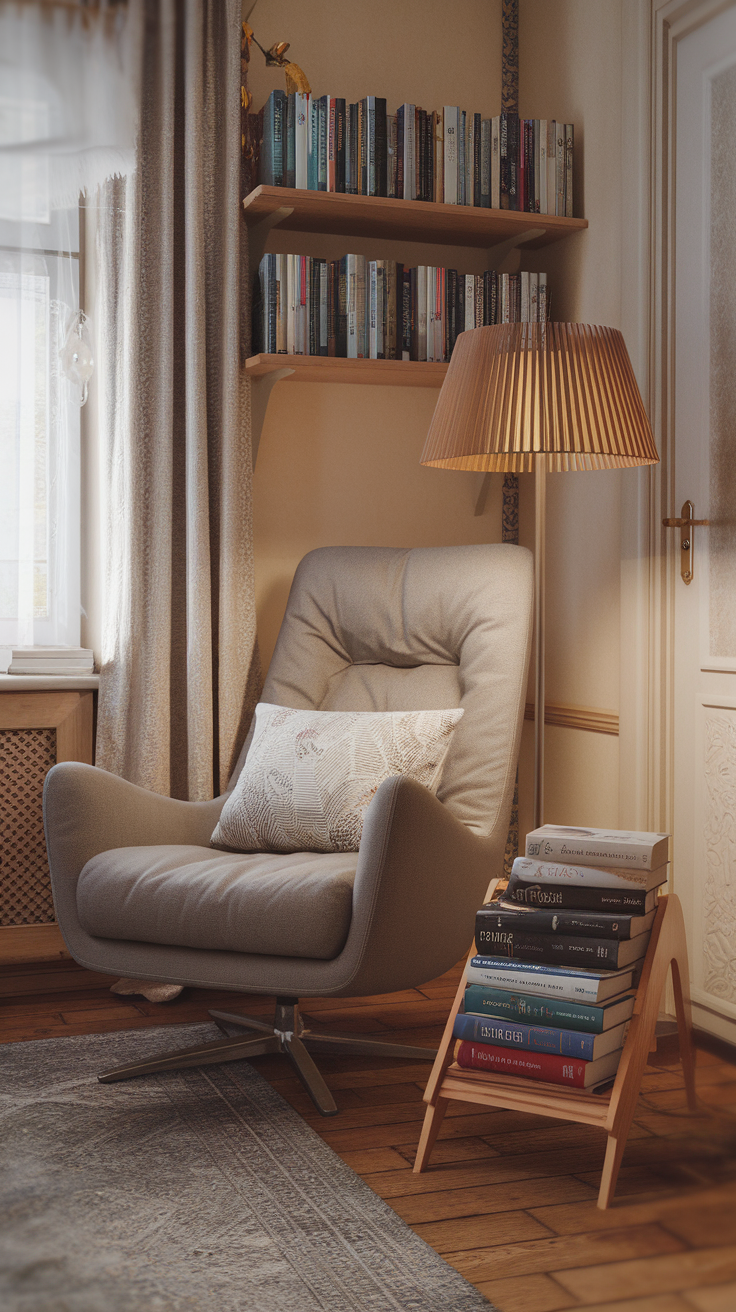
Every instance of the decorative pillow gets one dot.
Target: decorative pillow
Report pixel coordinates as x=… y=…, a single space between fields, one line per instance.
x=310 y=776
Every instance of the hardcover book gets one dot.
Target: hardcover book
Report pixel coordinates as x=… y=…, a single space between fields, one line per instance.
x=535 y=1009
x=559 y=949
x=568 y=982
x=539 y=1038
x=537 y=1066
x=583 y=923
x=619 y=848
x=535 y=892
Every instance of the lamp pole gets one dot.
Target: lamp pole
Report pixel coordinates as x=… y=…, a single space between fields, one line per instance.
x=540 y=508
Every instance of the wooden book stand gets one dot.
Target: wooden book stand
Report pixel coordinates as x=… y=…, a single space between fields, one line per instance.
x=614 y=1110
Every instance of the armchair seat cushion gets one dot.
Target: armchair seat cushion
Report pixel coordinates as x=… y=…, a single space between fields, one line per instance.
x=287 y=905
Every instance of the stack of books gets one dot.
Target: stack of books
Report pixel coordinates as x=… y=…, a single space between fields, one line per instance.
x=70 y=661
x=380 y=310
x=550 y=992
x=322 y=143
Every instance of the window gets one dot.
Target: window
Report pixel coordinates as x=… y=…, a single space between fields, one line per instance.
x=39 y=434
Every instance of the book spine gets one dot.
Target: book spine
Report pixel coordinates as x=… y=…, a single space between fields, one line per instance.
x=362 y=147
x=410 y=154
x=451 y=154
x=573 y=988
x=485 y=164
x=313 y=145
x=528 y=1038
x=543 y=126
x=569 y=132
x=479 y=298
x=505 y=167
x=521 y=172
x=557 y=950
x=462 y=130
x=281 y=304
x=525 y=303
x=469 y=298
x=391 y=167
x=529 y=1009
x=513 y=152
x=422 y=279
x=542 y=298
x=535 y=893
x=351 y=120
x=342 y=308
x=542 y=921
x=352 y=307
x=323 y=124
x=266 y=169
x=560 y=171
x=301 y=122
x=332 y=145
x=340 y=142
x=361 y=283
x=380 y=167
x=496 y=162
x=406 y=333
x=372 y=174
x=323 y=298
x=438 y=130
x=290 y=142
x=333 y=269
x=313 y=305
x=534 y=298
x=390 y=338
x=532 y=1066
x=477 y=151
x=635 y=857
x=271 y=305
x=537 y=126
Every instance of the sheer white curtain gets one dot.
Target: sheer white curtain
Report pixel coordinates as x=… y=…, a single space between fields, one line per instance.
x=68 y=106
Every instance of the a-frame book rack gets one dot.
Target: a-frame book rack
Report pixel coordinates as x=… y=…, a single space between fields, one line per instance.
x=612 y=1110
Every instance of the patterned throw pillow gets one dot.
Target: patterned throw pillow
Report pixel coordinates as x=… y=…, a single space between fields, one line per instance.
x=310 y=776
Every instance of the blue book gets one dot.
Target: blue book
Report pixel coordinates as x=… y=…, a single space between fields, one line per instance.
x=535 y=1009
x=539 y=1038
x=272 y=151
x=290 y=142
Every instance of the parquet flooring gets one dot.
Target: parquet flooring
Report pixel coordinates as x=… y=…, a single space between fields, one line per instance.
x=509 y=1199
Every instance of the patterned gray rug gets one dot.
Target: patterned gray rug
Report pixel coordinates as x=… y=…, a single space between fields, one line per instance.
x=198 y=1190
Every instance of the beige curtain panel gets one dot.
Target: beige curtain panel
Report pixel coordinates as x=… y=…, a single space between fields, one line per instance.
x=179 y=672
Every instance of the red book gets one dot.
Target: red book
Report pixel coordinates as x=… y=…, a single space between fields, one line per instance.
x=331 y=143
x=546 y=1066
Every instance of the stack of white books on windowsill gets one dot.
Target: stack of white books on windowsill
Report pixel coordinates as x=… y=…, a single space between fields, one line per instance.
x=72 y=662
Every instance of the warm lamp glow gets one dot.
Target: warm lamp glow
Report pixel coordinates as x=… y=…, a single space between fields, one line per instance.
x=518 y=390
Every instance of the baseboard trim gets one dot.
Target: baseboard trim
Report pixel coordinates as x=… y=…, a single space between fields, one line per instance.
x=576 y=717
x=21 y=944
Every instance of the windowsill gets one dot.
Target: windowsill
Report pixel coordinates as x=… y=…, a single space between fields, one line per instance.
x=48 y=682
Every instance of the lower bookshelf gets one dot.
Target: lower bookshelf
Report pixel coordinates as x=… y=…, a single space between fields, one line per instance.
x=611 y=1110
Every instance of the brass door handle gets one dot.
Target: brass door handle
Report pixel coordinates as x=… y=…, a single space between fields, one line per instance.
x=685 y=522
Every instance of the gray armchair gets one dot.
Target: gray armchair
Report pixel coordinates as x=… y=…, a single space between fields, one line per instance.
x=139 y=891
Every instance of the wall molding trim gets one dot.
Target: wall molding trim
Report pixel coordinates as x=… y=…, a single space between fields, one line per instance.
x=576 y=717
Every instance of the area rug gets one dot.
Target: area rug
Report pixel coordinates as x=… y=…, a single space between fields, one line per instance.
x=191 y=1191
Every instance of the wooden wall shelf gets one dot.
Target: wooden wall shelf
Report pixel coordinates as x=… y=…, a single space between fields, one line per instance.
x=403 y=220
x=335 y=369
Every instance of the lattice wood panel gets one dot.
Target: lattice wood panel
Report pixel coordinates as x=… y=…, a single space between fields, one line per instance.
x=26 y=755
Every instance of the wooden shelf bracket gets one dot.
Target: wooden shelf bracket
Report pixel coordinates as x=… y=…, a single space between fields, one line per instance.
x=259 y=398
x=612 y=1111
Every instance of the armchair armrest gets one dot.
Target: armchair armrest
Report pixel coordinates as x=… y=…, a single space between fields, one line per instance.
x=88 y=811
x=421 y=877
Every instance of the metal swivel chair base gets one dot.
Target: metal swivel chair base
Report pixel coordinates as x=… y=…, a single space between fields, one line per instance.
x=287 y=1034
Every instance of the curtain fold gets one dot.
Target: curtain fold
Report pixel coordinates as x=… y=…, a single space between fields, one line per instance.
x=179 y=674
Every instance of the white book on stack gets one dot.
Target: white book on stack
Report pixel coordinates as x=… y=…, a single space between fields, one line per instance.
x=52 y=660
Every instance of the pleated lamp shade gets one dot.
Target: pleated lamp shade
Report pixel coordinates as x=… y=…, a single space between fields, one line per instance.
x=518 y=390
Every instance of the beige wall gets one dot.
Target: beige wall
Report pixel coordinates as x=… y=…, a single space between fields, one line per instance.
x=339 y=464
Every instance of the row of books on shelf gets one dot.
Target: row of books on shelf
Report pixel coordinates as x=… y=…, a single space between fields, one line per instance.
x=322 y=143
x=381 y=310
x=551 y=992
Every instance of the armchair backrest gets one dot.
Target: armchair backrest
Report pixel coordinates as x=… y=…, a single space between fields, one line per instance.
x=382 y=629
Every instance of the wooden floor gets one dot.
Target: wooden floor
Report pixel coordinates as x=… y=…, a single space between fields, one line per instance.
x=509 y=1199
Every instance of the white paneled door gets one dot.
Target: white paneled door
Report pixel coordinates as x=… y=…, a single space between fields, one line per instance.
x=705 y=477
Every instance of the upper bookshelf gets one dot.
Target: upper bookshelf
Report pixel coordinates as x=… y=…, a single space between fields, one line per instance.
x=403 y=220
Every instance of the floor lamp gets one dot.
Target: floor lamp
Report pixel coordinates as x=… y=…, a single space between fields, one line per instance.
x=532 y=397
